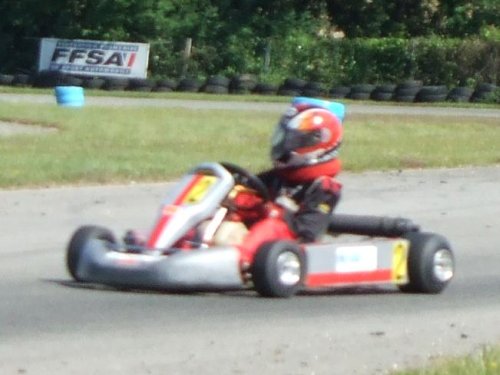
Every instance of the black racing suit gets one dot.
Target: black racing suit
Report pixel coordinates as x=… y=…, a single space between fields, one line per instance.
x=308 y=206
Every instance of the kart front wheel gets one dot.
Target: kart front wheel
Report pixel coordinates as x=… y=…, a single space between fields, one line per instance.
x=431 y=264
x=278 y=269
x=78 y=242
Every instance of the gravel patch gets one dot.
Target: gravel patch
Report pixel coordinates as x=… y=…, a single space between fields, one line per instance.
x=15 y=128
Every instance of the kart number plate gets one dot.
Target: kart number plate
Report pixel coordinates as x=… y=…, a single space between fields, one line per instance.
x=198 y=190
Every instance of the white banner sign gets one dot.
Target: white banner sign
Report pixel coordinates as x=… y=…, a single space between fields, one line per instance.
x=94 y=58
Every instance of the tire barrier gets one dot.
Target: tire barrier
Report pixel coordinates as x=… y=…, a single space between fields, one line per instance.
x=216 y=85
x=188 y=85
x=409 y=91
x=93 y=83
x=165 y=85
x=460 y=94
x=483 y=91
x=383 y=92
x=22 y=80
x=361 y=91
x=140 y=84
x=431 y=94
x=115 y=84
x=265 y=89
x=339 y=92
x=6 y=79
x=243 y=84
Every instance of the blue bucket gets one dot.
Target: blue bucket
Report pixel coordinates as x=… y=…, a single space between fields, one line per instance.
x=70 y=96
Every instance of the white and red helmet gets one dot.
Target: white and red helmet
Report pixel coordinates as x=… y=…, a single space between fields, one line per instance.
x=306 y=140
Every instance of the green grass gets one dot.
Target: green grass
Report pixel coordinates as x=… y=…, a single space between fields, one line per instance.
x=483 y=362
x=105 y=145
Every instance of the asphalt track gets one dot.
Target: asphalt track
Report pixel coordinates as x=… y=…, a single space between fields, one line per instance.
x=49 y=325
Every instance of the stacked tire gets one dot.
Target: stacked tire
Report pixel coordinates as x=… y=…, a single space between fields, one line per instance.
x=432 y=94
x=292 y=87
x=263 y=88
x=22 y=80
x=361 y=92
x=140 y=84
x=93 y=83
x=115 y=84
x=216 y=85
x=460 y=94
x=484 y=91
x=313 y=89
x=407 y=91
x=188 y=85
x=383 y=92
x=6 y=79
x=243 y=84
x=164 y=85
x=339 y=92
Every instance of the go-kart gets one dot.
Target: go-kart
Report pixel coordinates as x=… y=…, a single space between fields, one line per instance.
x=182 y=252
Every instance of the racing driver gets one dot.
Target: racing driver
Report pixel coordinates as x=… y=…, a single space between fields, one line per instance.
x=305 y=158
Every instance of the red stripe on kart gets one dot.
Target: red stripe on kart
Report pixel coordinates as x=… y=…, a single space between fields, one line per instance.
x=182 y=196
x=326 y=279
x=165 y=217
x=157 y=231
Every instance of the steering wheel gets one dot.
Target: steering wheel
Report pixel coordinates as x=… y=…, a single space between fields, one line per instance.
x=245 y=178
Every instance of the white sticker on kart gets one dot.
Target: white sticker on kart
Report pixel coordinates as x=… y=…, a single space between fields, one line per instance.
x=356 y=258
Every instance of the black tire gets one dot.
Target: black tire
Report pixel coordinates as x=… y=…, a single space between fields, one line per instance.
x=284 y=91
x=404 y=98
x=278 y=269
x=388 y=87
x=217 y=81
x=243 y=83
x=140 y=84
x=77 y=244
x=407 y=91
x=382 y=96
x=22 y=80
x=188 y=85
x=430 y=98
x=430 y=263
x=294 y=84
x=265 y=89
x=431 y=94
x=49 y=78
x=339 y=92
x=460 y=94
x=116 y=84
x=165 y=83
x=359 y=95
x=311 y=93
x=215 y=89
x=162 y=89
x=6 y=79
x=363 y=88
x=94 y=83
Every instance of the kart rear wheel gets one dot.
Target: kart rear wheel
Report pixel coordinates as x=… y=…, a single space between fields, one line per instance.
x=77 y=244
x=278 y=269
x=431 y=264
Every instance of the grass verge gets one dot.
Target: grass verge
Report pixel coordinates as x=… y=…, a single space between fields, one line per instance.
x=483 y=362
x=107 y=145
